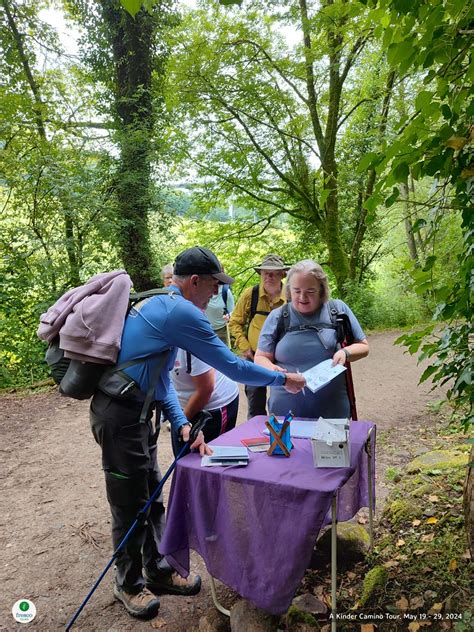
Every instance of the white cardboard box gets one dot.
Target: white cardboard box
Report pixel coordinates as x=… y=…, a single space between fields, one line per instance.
x=330 y=441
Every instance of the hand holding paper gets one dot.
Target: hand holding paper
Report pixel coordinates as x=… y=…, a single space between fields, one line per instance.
x=318 y=376
x=295 y=382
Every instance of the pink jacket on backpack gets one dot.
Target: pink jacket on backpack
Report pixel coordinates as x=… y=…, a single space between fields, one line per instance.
x=90 y=318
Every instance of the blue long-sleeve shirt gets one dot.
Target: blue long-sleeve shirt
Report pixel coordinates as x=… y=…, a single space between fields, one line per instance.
x=170 y=321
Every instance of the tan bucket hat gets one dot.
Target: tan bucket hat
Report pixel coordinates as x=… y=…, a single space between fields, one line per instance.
x=272 y=262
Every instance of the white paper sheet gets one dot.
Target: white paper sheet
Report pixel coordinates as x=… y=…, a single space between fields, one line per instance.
x=318 y=376
x=300 y=429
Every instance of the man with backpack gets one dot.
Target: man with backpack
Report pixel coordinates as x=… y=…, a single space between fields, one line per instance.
x=154 y=329
x=250 y=312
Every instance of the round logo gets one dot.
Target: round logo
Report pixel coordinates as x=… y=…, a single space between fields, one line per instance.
x=24 y=611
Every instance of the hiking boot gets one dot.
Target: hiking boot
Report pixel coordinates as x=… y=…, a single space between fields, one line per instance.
x=144 y=605
x=173 y=584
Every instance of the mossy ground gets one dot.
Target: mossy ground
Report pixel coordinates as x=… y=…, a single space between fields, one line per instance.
x=421 y=544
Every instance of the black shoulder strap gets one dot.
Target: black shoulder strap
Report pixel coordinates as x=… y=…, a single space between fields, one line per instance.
x=283 y=323
x=254 y=303
x=154 y=377
x=162 y=357
x=136 y=297
x=188 y=362
x=225 y=294
x=333 y=311
x=344 y=333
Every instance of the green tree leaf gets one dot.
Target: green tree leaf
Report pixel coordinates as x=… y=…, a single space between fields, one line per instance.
x=132 y=6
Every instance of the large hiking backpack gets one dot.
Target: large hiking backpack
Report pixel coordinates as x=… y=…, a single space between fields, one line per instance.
x=80 y=379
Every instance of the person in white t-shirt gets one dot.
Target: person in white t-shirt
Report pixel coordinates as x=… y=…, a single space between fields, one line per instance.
x=200 y=387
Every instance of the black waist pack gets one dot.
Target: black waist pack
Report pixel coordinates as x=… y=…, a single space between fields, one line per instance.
x=118 y=384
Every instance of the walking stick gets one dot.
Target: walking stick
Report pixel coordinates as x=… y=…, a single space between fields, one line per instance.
x=351 y=392
x=140 y=516
x=346 y=337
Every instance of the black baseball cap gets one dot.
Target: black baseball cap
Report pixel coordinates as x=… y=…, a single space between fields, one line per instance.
x=199 y=260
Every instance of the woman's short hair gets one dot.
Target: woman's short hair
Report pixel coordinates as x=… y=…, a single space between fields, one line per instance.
x=167 y=269
x=308 y=266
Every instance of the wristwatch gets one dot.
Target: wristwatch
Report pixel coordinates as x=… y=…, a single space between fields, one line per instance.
x=285 y=377
x=347 y=352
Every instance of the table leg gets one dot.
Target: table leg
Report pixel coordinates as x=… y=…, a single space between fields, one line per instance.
x=214 y=598
x=368 y=449
x=334 y=563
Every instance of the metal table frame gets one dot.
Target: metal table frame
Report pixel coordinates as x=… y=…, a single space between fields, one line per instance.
x=368 y=449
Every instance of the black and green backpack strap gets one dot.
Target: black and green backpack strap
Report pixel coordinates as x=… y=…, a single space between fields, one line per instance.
x=154 y=377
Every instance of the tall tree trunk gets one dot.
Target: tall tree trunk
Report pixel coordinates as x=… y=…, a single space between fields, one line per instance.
x=133 y=41
x=412 y=250
x=338 y=260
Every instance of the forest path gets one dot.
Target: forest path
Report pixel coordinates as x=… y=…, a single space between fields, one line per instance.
x=54 y=517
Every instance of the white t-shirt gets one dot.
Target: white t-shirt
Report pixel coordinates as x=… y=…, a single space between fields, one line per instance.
x=225 y=390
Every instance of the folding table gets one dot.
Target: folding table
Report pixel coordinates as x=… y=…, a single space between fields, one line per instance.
x=255 y=527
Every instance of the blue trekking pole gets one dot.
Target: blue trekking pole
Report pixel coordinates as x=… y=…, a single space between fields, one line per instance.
x=140 y=516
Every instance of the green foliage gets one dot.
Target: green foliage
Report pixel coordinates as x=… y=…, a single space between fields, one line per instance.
x=237 y=98
x=267 y=145
x=134 y=6
x=21 y=351
x=374 y=582
x=385 y=304
x=55 y=188
x=239 y=253
x=453 y=365
x=407 y=547
x=434 y=40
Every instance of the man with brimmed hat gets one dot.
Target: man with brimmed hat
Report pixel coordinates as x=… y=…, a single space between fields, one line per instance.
x=154 y=326
x=250 y=312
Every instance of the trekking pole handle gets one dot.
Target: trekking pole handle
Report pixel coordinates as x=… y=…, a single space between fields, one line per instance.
x=195 y=430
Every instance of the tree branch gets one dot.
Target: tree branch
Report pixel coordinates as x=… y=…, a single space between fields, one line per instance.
x=352 y=56
x=351 y=111
x=38 y=107
x=310 y=83
x=273 y=64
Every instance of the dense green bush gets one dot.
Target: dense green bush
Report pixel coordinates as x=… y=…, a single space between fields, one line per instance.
x=386 y=303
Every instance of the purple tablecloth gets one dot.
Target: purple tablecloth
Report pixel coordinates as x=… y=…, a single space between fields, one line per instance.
x=255 y=526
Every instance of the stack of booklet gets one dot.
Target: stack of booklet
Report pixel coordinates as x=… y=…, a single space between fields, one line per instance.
x=257 y=444
x=223 y=455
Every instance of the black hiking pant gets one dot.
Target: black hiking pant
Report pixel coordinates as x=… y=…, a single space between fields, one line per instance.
x=129 y=461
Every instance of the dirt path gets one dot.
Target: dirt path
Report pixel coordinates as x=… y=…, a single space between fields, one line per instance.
x=54 y=518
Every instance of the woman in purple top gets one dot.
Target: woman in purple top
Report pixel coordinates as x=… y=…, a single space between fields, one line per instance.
x=308 y=341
